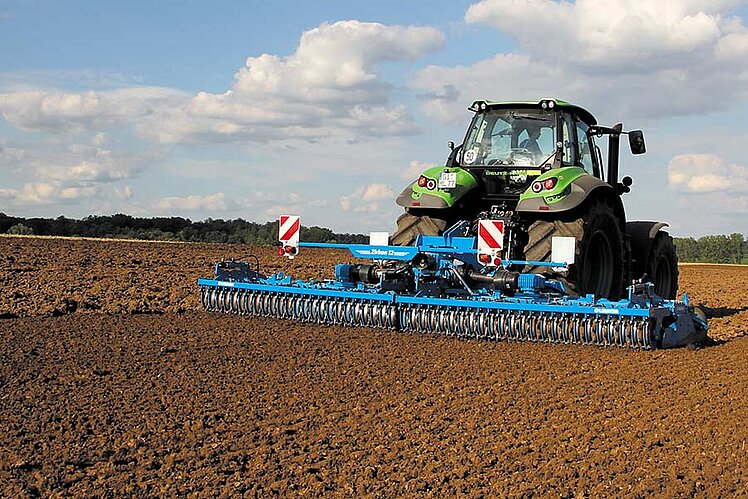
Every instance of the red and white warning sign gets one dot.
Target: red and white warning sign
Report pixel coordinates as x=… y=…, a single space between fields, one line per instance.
x=288 y=235
x=490 y=241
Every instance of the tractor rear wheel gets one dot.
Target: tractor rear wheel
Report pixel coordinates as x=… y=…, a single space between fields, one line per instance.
x=599 y=266
x=662 y=266
x=412 y=224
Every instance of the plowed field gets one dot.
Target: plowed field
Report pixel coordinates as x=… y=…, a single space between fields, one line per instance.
x=114 y=383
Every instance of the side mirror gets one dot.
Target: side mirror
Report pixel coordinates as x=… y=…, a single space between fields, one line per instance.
x=636 y=142
x=454 y=154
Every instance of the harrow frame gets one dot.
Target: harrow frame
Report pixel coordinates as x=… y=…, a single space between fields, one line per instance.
x=438 y=299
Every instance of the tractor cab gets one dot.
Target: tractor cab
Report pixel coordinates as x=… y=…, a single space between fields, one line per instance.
x=508 y=145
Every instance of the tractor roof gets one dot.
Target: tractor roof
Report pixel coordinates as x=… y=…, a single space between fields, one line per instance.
x=583 y=114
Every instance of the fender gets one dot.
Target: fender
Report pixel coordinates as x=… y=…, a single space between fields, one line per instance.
x=642 y=235
x=429 y=192
x=572 y=185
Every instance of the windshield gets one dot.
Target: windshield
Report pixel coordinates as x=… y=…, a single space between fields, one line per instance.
x=522 y=137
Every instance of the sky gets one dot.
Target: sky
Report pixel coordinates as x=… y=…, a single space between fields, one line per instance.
x=328 y=109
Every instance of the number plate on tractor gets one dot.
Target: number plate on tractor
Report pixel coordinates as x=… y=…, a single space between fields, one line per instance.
x=447 y=180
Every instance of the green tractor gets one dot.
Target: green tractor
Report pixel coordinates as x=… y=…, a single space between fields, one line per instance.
x=536 y=165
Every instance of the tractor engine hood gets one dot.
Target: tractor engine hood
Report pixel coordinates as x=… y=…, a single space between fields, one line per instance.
x=438 y=187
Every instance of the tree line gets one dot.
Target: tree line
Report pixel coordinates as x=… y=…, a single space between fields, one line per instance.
x=713 y=249
x=707 y=249
x=167 y=229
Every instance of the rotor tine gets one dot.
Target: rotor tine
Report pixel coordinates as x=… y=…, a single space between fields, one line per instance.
x=392 y=316
x=499 y=324
x=552 y=326
x=622 y=332
x=402 y=315
x=219 y=299
x=340 y=312
x=222 y=300
x=646 y=340
x=283 y=306
x=525 y=327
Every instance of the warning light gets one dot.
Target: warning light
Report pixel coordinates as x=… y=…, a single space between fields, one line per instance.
x=484 y=259
x=422 y=181
x=291 y=250
x=549 y=183
x=281 y=252
x=497 y=261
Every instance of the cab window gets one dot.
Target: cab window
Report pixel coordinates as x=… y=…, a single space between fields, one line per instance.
x=570 y=146
x=585 y=148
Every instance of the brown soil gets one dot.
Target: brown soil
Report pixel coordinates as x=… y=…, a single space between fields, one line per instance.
x=96 y=400
x=41 y=276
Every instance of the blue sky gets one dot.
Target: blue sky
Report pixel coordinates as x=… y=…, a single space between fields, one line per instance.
x=327 y=109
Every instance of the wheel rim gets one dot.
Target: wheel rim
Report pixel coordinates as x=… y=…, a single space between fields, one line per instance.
x=598 y=265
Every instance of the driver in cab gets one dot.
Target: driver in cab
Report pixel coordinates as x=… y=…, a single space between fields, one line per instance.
x=531 y=142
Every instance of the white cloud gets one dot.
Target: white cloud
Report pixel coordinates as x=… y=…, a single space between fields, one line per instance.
x=37 y=192
x=631 y=59
x=57 y=111
x=51 y=173
x=260 y=206
x=82 y=165
x=99 y=139
x=328 y=86
x=415 y=169
x=97 y=172
x=702 y=173
x=365 y=199
x=607 y=33
x=12 y=155
x=208 y=203
x=70 y=193
x=273 y=212
x=125 y=193
x=709 y=195
x=46 y=193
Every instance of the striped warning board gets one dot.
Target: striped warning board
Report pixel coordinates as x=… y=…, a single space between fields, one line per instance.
x=490 y=241
x=288 y=230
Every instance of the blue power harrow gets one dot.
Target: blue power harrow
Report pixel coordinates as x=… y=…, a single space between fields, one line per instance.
x=440 y=287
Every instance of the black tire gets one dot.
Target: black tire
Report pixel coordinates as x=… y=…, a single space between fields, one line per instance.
x=599 y=266
x=662 y=266
x=411 y=225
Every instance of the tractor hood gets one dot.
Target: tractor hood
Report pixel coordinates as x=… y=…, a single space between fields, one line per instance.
x=559 y=189
x=439 y=187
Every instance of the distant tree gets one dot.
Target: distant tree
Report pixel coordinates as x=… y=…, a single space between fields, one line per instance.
x=687 y=249
x=715 y=249
x=735 y=243
x=21 y=230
